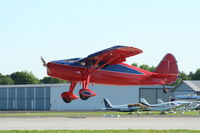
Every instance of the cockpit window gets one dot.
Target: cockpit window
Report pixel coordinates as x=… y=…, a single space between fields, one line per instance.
x=90 y=63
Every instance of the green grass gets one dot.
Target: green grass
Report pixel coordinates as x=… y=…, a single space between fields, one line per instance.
x=44 y=114
x=186 y=113
x=61 y=113
x=100 y=131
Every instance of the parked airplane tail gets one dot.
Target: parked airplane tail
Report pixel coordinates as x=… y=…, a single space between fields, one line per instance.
x=144 y=101
x=107 y=103
x=159 y=101
x=167 y=69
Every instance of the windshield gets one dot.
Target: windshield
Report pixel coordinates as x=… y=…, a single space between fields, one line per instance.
x=72 y=60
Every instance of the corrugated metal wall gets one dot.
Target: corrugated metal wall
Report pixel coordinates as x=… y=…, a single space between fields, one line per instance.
x=116 y=94
x=47 y=97
x=25 y=98
x=151 y=94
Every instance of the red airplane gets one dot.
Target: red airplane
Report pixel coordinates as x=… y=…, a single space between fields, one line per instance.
x=107 y=67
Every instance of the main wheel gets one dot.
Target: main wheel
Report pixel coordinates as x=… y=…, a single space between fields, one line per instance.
x=67 y=100
x=83 y=97
x=68 y=97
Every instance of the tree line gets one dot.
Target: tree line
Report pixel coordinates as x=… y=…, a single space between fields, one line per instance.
x=25 y=77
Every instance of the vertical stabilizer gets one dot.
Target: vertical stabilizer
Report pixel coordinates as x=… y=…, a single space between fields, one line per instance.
x=107 y=103
x=159 y=101
x=144 y=101
x=168 y=67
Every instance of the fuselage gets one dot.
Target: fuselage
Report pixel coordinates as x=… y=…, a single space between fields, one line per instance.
x=162 y=107
x=124 y=108
x=118 y=74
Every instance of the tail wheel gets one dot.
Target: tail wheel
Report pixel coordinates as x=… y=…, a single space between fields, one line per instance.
x=165 y=90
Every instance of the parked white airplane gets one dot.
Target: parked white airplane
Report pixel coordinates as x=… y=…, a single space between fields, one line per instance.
x=189 y=105
x=124 y=107
x=193 y=100
x=143 y=106
x=161 y=106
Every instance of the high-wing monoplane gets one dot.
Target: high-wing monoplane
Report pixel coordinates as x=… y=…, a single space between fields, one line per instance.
x=162 y=106
x=107 y=67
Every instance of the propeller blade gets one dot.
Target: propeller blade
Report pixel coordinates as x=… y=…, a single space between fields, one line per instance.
x=43 y=61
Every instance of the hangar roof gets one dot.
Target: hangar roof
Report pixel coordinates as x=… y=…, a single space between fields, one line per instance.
x=193 y=84
x=156 y=86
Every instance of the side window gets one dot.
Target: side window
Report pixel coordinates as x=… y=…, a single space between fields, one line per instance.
x=86 y=63
x=82 y=63
x=90 y=63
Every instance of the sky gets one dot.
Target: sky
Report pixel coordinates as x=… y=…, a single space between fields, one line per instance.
x=62 y=29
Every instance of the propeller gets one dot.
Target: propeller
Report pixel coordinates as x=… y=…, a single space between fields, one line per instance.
x=43 y=61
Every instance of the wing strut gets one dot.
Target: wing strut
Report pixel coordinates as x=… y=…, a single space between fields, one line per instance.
x=92 y=68
x=108 y=62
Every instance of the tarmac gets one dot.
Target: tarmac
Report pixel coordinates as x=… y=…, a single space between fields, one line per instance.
x=99 y=123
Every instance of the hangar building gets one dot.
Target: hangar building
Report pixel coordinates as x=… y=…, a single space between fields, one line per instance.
x=47 y=96
x=187 y=87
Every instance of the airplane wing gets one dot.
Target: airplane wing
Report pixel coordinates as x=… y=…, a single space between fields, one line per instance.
x=180 y=106
x=113 y=55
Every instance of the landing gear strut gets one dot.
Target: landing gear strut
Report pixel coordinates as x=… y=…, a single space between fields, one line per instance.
x=86 y=93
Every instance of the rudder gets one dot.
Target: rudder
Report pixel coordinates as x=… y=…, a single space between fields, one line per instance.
x=107 y=103
x=168 y=66
x=144 y=101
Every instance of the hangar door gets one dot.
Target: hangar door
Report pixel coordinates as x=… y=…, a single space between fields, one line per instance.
x=152 y=94
x=25 y=98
